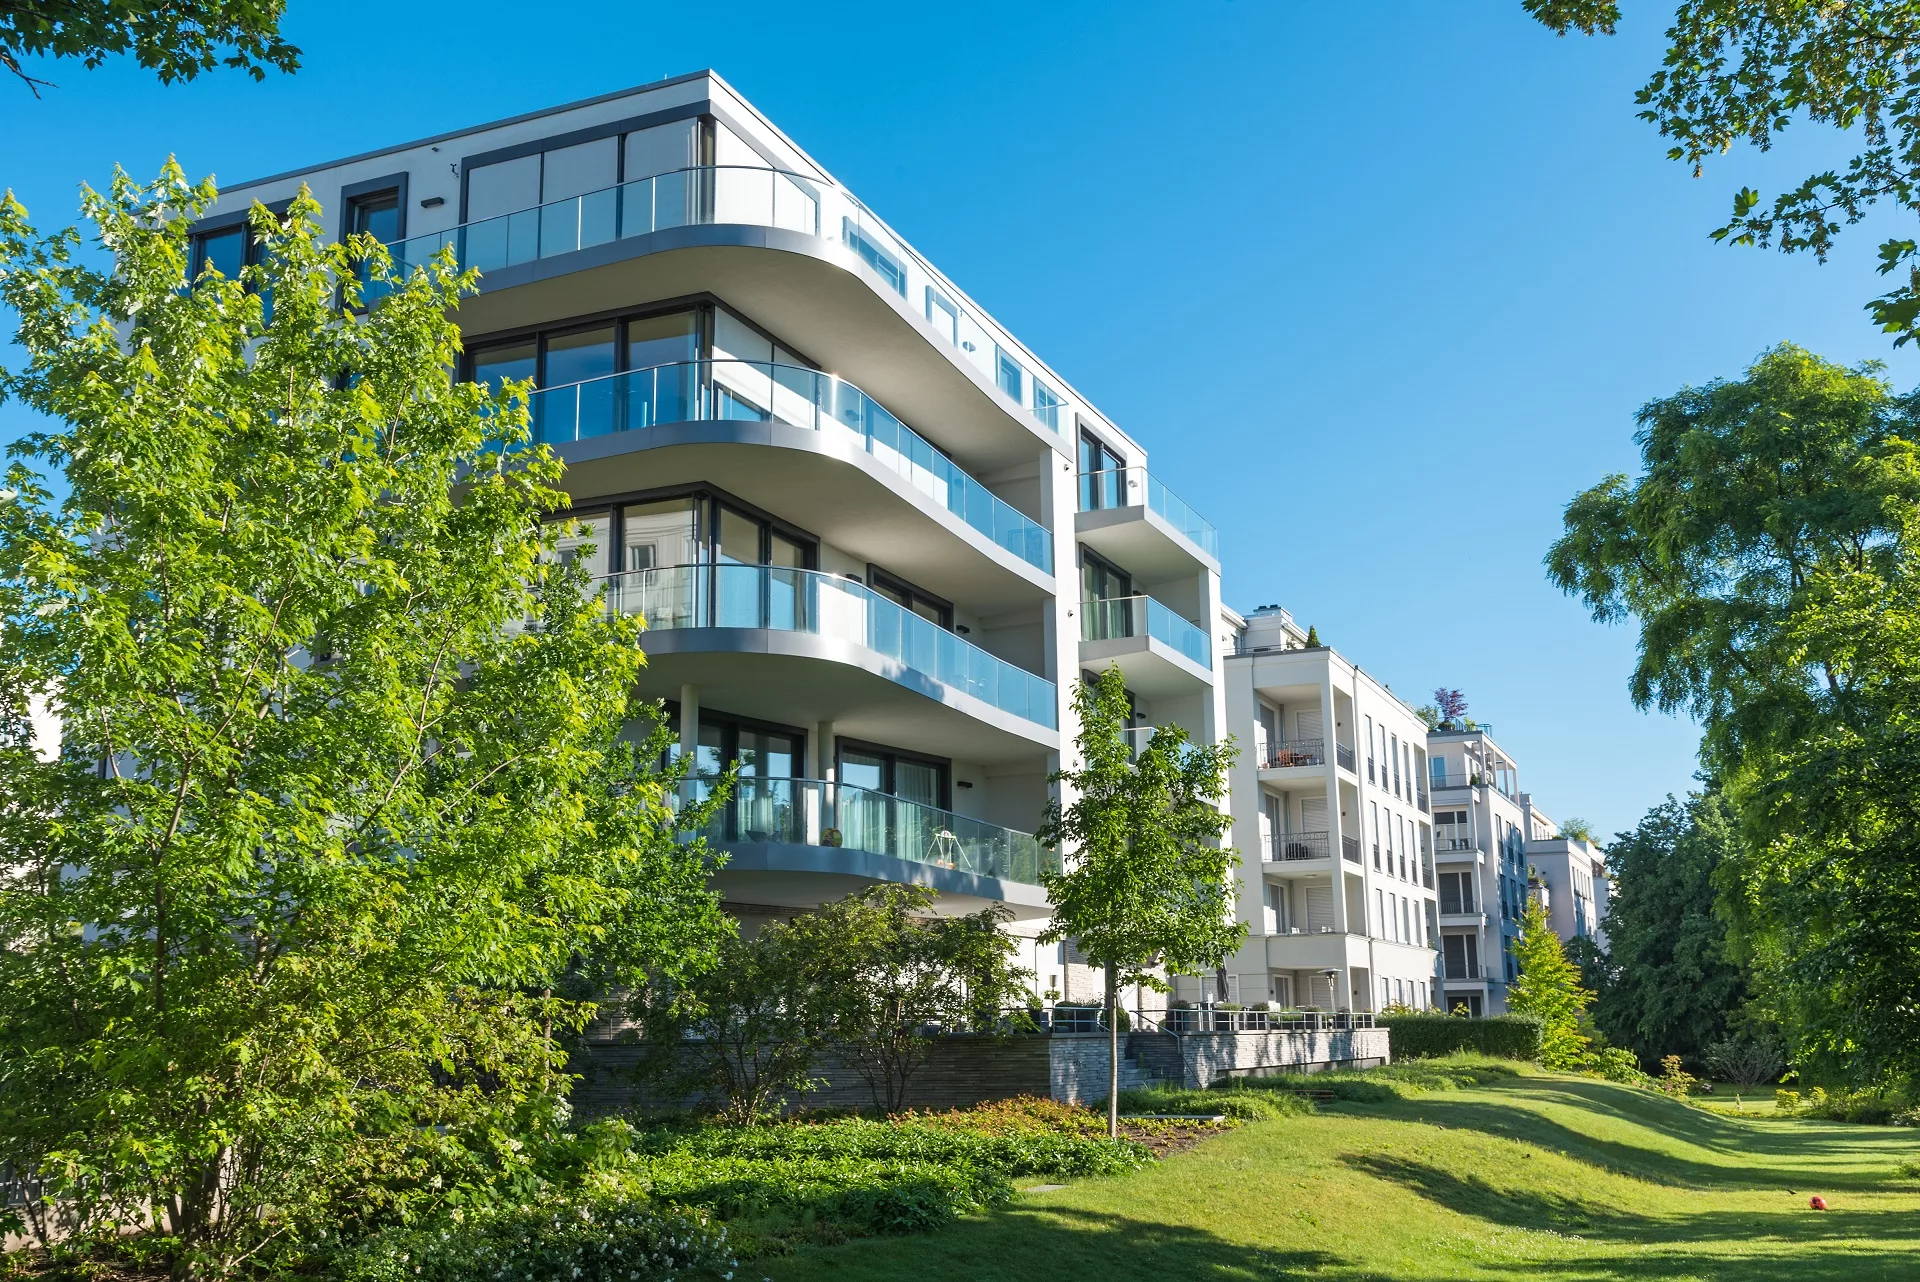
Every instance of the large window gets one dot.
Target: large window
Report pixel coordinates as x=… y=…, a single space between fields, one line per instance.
x=572 y=369
x=1103 y=475
x=908 y=776
x=375 y=214
x=1462 y=953
x=933 y=609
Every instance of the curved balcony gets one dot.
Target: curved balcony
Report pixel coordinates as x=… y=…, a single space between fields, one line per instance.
x=766 y=197
x=791 y=395
x=838 y=833
x=915 y=653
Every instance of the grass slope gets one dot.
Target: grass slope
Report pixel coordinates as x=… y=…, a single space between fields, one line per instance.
x=1541 y=1177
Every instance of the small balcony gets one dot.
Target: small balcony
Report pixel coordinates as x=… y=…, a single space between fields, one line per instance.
x=808 y=825
x=1294 y=753
x=1451 y=843
x=780 y=600
x=1160 y=652
x=1128 y=516
x=1350 y=849
x=1298 y=847
x=1344 y=755
x=793 y=396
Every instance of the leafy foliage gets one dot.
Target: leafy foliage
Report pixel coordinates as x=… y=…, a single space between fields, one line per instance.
x=179 y=40
x=1668 y=983
x=343 y=795
x=745 y=1034
x=577 y=1238
x=1745 y=70
x=1150 y=887
x=885 y=976
x=1549 y=989
x=1771 y=558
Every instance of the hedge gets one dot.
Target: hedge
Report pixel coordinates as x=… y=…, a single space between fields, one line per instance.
x=1424 y=1036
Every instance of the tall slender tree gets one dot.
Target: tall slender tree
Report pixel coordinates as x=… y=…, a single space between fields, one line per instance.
x=1549 y=987
x=1148 y=888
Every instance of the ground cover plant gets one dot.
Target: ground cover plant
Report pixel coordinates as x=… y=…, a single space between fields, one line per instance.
x=1454 y=1170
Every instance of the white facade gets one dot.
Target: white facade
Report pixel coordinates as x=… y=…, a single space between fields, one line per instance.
x=874 y=537
x=1480 y=827
x=1330 y=817
x=1573 y=874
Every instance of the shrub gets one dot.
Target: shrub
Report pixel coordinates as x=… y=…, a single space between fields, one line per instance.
x=1785 y=1101
x=1618 y=1064
x=577 y=1239
x=1427 y=1036
x=1673 y=1079
x=1241 y=1101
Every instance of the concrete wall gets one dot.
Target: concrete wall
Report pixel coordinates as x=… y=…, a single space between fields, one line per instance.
x=1213 y=1057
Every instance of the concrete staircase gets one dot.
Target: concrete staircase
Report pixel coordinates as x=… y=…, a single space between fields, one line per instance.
x=1149 y=1057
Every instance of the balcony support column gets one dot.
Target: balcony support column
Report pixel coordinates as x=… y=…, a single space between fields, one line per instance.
x=689 y=719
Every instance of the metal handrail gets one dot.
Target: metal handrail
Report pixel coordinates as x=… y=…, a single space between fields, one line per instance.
x=778 y=598
x=1290 y=847
x=1116 y=487
x=1295 y=752
x=792 y=395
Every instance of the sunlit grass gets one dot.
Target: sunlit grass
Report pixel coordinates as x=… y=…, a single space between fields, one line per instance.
x=1532 y=1176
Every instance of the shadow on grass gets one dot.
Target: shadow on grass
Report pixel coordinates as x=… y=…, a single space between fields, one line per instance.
x=1767 y=1156
x=1808 y=1242
x=1063 y=1244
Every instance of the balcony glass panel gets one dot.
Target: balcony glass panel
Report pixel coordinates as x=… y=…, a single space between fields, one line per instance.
x=809 y=812
x=1142 y=616
x=789 y=600
x=742 y=194
x=761 y=392
x=1120 y=487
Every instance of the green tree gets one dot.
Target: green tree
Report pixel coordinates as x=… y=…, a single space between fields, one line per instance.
x=178 y=40
x=1751 y=489
x=746 y=1032
x=1745 y=70
x=343 y=793
x=890 y=976
x=1671 y=983
x=1149 y=888
x=1768 y=555
x=1824 y=893
x=1549 y=987
x=1574 y=828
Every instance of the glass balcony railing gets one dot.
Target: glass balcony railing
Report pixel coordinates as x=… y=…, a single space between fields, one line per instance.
x=1121 y=487
x=761 y=197
x=761 y=392
x=809 y=812
x=786 y=600
x=1142 y=616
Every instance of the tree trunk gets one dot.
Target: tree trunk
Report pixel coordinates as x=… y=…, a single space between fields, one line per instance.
x=1113 y=1054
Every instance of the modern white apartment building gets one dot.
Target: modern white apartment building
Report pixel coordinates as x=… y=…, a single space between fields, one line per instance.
x=1572 y=873
x=874 y=537
x=1330 y=815
x=1480 y=826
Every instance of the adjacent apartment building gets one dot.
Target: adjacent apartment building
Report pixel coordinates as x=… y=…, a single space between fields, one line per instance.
x=874 y=536
x=1331 y=818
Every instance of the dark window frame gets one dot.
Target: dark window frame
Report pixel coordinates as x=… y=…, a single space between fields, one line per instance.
x=885 y=581
x=893 y=756
x=353 y=195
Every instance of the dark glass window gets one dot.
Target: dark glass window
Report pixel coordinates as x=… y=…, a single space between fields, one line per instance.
x=895 y=773
x=931 y=608
x=377 y=215
x=225 y=251
x=1103 y=478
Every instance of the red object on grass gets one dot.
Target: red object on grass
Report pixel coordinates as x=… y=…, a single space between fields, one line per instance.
x=1817 y=1203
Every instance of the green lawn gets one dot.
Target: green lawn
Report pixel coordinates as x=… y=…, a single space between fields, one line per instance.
x=1542 y=1177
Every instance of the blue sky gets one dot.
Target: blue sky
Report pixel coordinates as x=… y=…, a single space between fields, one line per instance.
x=1379 y=287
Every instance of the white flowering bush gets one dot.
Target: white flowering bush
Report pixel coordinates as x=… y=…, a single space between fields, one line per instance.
x=577 y=1239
